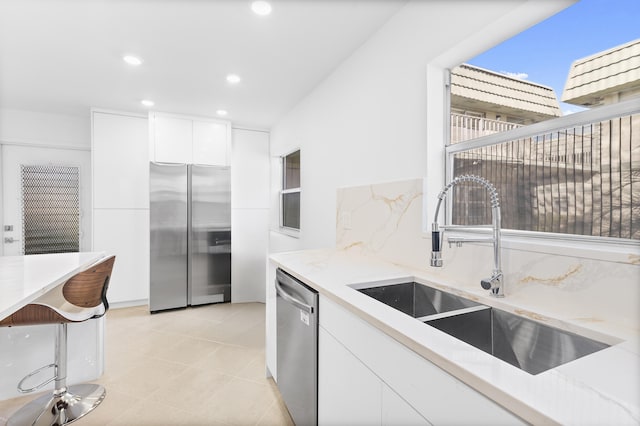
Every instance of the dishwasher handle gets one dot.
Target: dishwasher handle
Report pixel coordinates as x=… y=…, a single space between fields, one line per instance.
x=292 y=300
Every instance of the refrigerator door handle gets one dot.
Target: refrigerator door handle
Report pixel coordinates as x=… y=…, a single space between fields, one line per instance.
x=189 y=235
x=292 y=300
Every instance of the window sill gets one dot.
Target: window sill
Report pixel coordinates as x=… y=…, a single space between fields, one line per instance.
x=290 y=232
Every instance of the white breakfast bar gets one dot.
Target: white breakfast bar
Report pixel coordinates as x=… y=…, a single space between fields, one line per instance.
x=23 y=349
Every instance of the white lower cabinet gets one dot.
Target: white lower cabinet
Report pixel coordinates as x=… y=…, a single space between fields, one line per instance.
x=249 y=242
x=125 y=233
x=270 y=338
x=396 y=411
x=367 y=377
x=348 y=392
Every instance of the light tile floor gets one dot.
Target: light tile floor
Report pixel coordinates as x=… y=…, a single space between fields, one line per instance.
x=197 y=366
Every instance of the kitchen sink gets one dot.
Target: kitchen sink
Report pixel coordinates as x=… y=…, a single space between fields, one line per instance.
x=416 y=299
x=528 y=345
x=523 y=343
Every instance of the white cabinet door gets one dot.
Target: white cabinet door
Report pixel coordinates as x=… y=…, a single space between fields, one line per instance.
x=348 y=392
x=249 y=214
x=120 y=161
x=210 y=143
x=250 y=169
x=396 y=411
x=173 y=139
x=125 y=233
x=249 y=244
x=271 y=337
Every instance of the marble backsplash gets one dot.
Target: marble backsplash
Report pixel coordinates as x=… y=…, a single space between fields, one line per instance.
x=588 y=287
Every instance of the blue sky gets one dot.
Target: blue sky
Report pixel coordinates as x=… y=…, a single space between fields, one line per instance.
x=545 y=51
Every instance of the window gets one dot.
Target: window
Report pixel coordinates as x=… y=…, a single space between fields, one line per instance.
x=563 y=150
x=579 y=174
x=290 y=195
x=50 y=209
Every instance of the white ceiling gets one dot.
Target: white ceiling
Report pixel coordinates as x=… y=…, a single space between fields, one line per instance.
x=65 y=56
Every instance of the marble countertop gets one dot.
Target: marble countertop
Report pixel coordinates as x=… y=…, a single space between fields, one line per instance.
x=25 y=278
x=601 y=388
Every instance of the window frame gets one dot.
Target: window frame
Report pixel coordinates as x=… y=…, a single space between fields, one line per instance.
x=602 y=113
x=295 y=232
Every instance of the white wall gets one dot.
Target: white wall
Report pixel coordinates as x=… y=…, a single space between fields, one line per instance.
x=38 y=128
x=367 y=122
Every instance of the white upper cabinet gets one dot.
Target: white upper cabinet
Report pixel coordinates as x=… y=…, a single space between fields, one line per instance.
x=173 y=139
x=120 y=161
x=210 y=143
x=184 y=139
x=250 y=171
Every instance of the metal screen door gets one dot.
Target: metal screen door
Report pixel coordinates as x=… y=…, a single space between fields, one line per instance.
x=50 y=209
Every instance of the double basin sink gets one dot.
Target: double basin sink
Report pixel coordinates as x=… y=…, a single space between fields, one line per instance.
x=523 y=343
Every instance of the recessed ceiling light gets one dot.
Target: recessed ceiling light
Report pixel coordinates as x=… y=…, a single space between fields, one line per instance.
x=260 y=7
x=233 y=78
x=147 y=103
x=132 y=60
x=221 y=112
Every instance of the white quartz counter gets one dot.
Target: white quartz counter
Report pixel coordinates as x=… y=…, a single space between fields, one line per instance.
x=601 y=388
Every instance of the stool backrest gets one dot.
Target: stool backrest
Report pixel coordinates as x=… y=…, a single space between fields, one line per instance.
x=88 y=288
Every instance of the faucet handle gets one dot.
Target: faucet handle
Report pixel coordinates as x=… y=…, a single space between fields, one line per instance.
x=486 y=283
x=492 y=283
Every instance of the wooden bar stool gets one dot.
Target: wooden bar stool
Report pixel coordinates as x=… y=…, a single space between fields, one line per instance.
x=81 y=298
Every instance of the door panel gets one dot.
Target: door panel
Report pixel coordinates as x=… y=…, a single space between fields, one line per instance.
x=50 y=209
x=13 y=157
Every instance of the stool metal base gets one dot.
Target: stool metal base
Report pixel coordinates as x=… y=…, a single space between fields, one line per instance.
x=51 y=410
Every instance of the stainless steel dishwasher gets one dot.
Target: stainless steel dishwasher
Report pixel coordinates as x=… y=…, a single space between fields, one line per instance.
x=297 y=340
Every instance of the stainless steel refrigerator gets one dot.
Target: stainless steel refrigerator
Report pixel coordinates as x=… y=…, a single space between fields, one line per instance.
x=190 y=235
